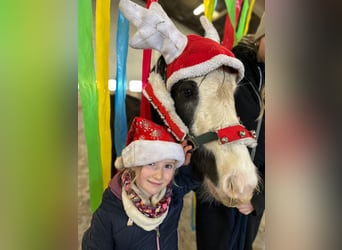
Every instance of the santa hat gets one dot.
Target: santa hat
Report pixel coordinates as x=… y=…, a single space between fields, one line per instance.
x=186 y=56
x=201 y=56
x=148 y=142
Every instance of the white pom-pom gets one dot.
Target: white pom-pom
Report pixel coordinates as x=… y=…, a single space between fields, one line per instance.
x=119 y=163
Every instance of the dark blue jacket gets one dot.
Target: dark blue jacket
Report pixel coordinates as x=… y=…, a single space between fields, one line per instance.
x=109 y=230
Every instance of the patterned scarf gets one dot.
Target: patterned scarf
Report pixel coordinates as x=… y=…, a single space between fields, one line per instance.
x=149 y=211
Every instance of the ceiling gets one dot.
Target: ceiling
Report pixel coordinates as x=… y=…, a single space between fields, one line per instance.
x=182 y=11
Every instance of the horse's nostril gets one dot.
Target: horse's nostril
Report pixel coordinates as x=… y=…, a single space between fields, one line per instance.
x=230 y=186
x=233 y=186
x=236 y=187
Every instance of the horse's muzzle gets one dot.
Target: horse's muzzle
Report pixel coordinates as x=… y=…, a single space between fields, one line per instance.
x=228 y=198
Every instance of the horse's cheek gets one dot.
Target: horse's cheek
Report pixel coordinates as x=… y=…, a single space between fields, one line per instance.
x=205 y=163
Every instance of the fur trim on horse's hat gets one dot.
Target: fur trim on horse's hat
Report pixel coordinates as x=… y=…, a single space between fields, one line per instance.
x=201 y=56
x=148 y=142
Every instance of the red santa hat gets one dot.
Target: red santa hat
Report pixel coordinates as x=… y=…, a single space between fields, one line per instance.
x=148 y=142
x=200 y=56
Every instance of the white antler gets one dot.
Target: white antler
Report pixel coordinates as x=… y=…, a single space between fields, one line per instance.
x=210 y=31
x=155 y=30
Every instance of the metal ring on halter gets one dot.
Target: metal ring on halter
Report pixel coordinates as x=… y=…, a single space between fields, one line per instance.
x=193 y=142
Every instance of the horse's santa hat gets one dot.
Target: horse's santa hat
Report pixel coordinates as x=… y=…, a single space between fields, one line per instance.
x=200 y=56
x=186 y=57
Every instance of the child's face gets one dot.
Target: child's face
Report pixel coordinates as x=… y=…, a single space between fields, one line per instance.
x=153 y=177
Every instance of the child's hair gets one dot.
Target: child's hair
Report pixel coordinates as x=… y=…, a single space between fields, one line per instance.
x=133 y=173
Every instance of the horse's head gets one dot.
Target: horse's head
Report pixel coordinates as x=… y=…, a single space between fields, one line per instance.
x=193 y=90
x=204 y=104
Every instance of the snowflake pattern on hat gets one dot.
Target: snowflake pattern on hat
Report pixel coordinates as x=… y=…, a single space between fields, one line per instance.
x=148 y=142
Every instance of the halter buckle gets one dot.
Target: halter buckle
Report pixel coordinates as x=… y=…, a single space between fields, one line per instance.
x=193 y=142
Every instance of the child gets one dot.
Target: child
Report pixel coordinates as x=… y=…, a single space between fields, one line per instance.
x=141 y=207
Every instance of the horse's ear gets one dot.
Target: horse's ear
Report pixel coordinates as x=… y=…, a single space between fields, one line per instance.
x=232 y=71
x=160 y=67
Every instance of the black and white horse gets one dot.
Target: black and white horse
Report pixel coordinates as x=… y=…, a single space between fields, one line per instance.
x=205 y=104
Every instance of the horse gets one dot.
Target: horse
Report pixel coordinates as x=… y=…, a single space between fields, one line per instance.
x=198 y=105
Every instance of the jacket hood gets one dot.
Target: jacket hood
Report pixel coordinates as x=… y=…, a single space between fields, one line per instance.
x=115 y=185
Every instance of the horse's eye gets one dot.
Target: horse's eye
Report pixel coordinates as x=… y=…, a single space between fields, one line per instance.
x=187 y=92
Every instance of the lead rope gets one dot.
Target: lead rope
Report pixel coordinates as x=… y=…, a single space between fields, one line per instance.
x=260 y=119
x=256 y=137
x=157 y=238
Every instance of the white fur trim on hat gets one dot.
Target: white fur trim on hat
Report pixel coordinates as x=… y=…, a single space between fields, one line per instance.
x=164 y=97
x=204 y=68
x=119 y=163
x=142 y=152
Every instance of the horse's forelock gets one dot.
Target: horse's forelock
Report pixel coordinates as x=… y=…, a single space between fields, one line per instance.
x=160 y=67
x=216 y=106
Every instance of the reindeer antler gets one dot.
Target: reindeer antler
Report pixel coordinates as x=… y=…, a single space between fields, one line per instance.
x=155 y=30
x=210 y=30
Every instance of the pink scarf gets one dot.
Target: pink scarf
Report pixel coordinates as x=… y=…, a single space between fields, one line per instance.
x=148 y=210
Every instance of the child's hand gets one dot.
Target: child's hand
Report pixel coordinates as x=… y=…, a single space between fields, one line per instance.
x=187 y=153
